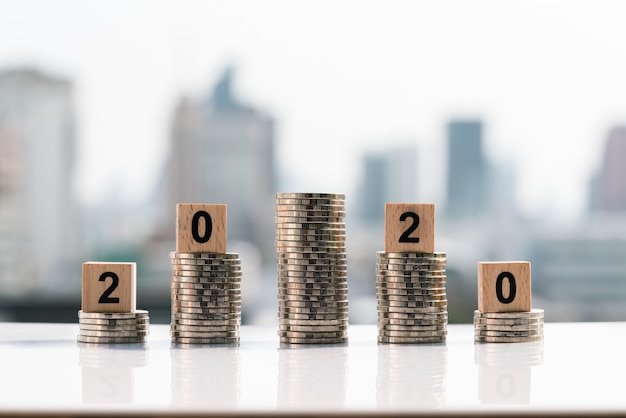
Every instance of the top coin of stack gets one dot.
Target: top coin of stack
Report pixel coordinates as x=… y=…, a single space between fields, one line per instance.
x=206 y=281
x=108 y=314
x=312 y=268
x=411 y=278
x=504 y=313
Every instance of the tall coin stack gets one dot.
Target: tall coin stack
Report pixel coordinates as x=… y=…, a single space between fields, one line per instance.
x=113 y=327
x=312 y=268
x=206 y=298
x=412 y=301
x=508 y=327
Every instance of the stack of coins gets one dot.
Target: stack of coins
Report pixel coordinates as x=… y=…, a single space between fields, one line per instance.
x=206 y=298
x=412 y=301
x=113 y=327
x=508 y=327
x=312 y=268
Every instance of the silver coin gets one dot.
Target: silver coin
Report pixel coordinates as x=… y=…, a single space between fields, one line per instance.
x=407 y=304
x=207 y=304
x=281 y=230
x=199 y=270
x=338 y=196
x=412 y=298
x=384 y=255
x=312 y=328
x=210 y=296
x=410 y=340
x=205 y=292
x=205 y=334
x=281 y=206
x=175 y=254
x=203 y=328
x=493 y=333
x=207 y=279
x=309 y=200
x=313 y=288
x=426 y=275
x=314 y=227
x=508 y=322
x=422 y=286
x=312 y=262
x=341 y=303
x=422 y=261
x=308 y=219
x=312 y=316
x=208 y=323
x=329 y=334
x=292 y=257
x=202 y=287
x=139 y=313
x=533 y=313
x=206 y=316
x=115 y=322
x=206 y=262
x=320 y=299
x=313 y=310
x=336 y=245
x=115 y=333
x=303 y=251
x=207 y=341
x=125 y=328
x=328 y=268
x=314 y=322
x=303 y=211
x=206 y=311
x=310 y=239
x=221 y=301
x=527 y=327
x=413 y=315
x=411 y=328
x=110 y=340
x=424 y=293
x=484 y=339
x=413 y=333
x=412 y=322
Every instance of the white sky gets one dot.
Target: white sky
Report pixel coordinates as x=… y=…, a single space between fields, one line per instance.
x=341 y=78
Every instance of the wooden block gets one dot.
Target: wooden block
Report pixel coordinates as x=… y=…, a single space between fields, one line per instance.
x=504 y=286
x=409 y=227
x=200 y=228
x=109 y=287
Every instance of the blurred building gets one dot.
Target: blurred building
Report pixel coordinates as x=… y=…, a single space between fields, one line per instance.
x=38 y=222
x=466 y=192
x=222 y=151
x=608 y=187
x=388 y=176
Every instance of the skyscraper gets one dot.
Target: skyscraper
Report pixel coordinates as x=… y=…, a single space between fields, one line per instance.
x=389 y=176
x=608 y=188
x=37 y=210
x=222 y=151
x=466 y=169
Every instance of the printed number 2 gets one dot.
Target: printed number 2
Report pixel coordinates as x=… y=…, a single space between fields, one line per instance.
x=405 y=237
x=195 y=226
x=106 y=296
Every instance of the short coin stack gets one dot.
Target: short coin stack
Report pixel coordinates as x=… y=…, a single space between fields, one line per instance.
x=206 y=298
x=412 y=301
x=113 y=327
x=312 y=268
x=508 y=327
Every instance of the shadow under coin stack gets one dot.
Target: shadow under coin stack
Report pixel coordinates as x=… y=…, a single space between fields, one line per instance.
x=206 y=298
x=113 y=327
x=412 y=301
x=508 y=327
x=312 y=268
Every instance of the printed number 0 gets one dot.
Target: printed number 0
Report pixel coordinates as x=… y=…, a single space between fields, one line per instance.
x=106 y=296
x=405 y=237
x=512 y=287
x=195 y=226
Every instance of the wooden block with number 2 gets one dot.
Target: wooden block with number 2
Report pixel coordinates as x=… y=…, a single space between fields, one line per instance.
x=504 y=286
x=410 y=227
x=200 y=228
x=109 y=287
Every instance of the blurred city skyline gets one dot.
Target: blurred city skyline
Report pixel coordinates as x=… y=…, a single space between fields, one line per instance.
x=341 y=79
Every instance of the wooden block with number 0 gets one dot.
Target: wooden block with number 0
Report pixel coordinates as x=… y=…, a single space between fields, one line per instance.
x=201 y=228
x=109 y=287
x=504 y=286
x=410 y=227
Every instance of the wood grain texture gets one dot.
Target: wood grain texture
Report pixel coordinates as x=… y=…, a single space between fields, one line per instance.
x=494 y=297
x=395 y=227
x=93 y=288
x=191 y=224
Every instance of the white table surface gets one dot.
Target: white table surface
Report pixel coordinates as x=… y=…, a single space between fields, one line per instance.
x=578 y=367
